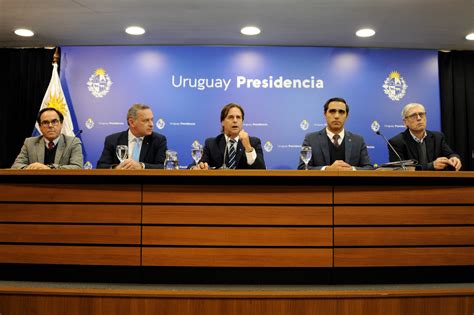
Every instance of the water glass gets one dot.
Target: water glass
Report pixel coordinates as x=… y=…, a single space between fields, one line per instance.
x=122 y=152
x=305 y=154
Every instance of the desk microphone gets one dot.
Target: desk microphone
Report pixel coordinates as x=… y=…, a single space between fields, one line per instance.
x=376 y=128
x=69 y=145
x=224 y=166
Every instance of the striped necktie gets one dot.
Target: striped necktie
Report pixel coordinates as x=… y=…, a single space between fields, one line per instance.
x=232 y=153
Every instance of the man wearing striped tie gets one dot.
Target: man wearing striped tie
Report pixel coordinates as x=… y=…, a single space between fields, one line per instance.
x=233 y=148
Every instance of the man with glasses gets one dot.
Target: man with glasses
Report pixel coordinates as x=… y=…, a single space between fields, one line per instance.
x=429 y=148
x=51 y=150
x=334 y=148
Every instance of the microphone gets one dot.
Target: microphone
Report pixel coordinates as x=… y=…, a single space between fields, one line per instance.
x=224 y=166
x=402 y=163
x=77 y=133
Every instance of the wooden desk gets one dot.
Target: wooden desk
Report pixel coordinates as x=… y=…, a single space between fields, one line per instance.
x=242 y=218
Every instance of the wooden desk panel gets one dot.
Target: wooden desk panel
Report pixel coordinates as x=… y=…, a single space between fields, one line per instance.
x=422 y=195
x=404 y=215
x=409 y=256
x=403 y=236
x=237 y=215
x=73 y=255
x=237 y=257
x=70 y=213
x=50 y=192
x=237 y=194
x=236 y=236
x=72 y=234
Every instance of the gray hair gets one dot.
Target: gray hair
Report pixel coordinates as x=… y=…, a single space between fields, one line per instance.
x=410 y=106
x=132 y=111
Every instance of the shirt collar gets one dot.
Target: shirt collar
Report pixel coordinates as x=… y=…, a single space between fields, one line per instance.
x=55 y=141
x=227 y=138
x=416 y=138
x=131 y=137
x=331 y=134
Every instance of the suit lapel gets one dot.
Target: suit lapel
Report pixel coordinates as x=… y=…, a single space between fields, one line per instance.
x=430 y=146
x=60 y=149
x=323 y=141
x=221 y=144
x=145 y=147
x=348 y=147
x=411 y=144
x=239 y=153
x=40 y=147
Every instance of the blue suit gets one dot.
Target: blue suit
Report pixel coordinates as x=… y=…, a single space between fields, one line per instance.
x=356 y=151
x=152 y=153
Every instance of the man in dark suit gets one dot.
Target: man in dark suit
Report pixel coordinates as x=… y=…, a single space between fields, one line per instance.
x=51 y=150
x=334 y=148
x=429 y=148
x=233 y=149
x=146 y=149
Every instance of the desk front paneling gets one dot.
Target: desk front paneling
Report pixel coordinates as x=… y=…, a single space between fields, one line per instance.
x=403 y=226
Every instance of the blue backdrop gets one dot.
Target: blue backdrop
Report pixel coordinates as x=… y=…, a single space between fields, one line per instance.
x=282 y=90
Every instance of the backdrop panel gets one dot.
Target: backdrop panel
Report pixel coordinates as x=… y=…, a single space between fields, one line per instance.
x=282 y=90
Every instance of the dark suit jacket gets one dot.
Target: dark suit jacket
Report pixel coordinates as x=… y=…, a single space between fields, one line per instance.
x=152 y=153
x=213 y=153
x=356 y=150
x=407 y=148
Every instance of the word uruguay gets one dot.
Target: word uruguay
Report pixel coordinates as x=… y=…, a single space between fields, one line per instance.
x=280 y=82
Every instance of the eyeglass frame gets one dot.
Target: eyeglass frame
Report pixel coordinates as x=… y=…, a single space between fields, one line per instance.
x=46 y=123
x=416 y=115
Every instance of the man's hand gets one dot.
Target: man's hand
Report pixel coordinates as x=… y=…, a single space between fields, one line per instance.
x=441 y=163
x=455 y=162
x=37 y=166
x=244 y=138
x=200 y=166
x=129 y=164
x=339 y=165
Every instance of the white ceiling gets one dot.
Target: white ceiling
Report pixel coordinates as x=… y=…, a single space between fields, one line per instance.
x=431 y=24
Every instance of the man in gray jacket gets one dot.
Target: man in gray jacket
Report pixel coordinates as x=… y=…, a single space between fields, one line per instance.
x=52 y=150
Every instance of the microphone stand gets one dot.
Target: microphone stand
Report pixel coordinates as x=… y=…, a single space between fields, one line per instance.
x=402 y=163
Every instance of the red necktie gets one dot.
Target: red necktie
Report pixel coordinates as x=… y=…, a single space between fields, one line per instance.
x=50 y=145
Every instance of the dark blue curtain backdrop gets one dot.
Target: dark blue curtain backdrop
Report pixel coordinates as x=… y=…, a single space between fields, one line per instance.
x=282 y=90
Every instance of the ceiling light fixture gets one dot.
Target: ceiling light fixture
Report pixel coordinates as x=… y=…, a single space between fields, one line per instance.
x=24 y=32
x=365 y=32
x=250 y=30
x=135 y=30
x=470 y=36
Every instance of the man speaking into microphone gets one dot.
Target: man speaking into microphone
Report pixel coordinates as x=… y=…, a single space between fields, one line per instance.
x=234 y=148
x=51 y=150
x=429 y=148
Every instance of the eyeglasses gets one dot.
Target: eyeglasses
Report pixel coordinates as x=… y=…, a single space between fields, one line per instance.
x=415 y=116
x=46 y=123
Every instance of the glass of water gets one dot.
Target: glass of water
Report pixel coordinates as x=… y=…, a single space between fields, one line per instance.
x=122 y=152
x=305 y=155
x=196 y=152
x=171 y=161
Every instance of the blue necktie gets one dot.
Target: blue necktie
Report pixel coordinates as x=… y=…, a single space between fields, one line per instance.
x=232 y=153
x=136 y=150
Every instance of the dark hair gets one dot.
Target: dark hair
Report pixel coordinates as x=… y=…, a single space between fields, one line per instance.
x=225 y=111
x=336 y=99
x=38 y=119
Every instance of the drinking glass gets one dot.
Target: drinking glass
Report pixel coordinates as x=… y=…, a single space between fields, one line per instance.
x=196 y=152
x=171 y=160
x=305 y=155
x=122 y=152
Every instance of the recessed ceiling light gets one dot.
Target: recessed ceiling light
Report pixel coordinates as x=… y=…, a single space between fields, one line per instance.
x=24 y=32
x=250 y=30
x=365 y=32
x=135 y=30
x=470 y=36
